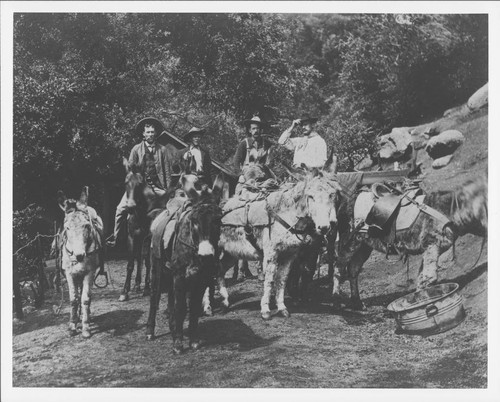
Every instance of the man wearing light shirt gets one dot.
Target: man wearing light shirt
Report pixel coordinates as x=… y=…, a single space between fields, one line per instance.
x=196 y=159
x=310 y=149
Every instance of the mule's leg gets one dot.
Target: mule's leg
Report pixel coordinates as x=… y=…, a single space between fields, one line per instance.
x=155 y=296
x=428 y=269
x=243 y=270
x=260 y=271
x=147 y=263
x=310 y=264
x=293 y=281
x=354 y=269
x=74 y=302
x=336 y=281
x=179 y=312
x=141 y=255
x=206 y=306
x=280 y=282
x=86 y=298
x=226 y=262
x=269 y=272
x=130 y=268
x=236 y=269
x=194 y=313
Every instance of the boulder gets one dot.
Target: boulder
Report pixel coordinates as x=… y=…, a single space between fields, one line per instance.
x=479 y=99
x=442 y=162
x=395 y=144
x=444 y=144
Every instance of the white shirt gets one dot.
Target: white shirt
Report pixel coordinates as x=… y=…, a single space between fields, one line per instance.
x=197 y=157
x=310 y=150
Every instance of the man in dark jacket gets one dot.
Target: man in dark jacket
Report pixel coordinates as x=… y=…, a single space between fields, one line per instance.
x=194 y=158
x=155 y=160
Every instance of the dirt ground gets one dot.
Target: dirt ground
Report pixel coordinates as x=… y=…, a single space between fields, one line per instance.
x=317 y=347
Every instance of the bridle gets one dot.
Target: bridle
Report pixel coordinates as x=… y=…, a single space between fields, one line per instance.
x=93 y=232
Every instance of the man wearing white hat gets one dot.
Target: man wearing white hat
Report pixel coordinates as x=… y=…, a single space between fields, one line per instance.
x=195 y=158
x=155 y=160
x=254 y=141
x=310 y=149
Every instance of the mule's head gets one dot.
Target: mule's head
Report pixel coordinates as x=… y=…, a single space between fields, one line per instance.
x=206 y=218
x=77 y=225
x=321 y=200
x=471 y=212
x=134 y=184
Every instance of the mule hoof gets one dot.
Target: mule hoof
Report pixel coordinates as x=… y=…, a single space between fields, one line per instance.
x=285 y=313
x=195 y=345
x=266 y=315
x=146 y=292
x=336 y=302
x=177 y=349
x=72 y=332
x=357 y=304
x=86 y=333
x=137 y=289
x=123 y=297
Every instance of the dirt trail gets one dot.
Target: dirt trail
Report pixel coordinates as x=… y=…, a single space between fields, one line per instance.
x=316 y=347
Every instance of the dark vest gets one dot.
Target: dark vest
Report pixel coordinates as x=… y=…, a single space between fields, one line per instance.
x=150 y=168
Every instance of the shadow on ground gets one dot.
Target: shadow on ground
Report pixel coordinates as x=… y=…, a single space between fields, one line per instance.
x=234 y=332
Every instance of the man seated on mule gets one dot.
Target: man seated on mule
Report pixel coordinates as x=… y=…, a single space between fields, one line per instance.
x=310 y=149
x=255 y=147
x=156 y=161
x=255 y=140
x=196 y=159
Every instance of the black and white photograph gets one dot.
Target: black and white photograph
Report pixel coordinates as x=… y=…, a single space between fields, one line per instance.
x=213 y=199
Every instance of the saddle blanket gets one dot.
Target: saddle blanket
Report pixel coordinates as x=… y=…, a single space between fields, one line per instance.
x=163 y=227
x=251 y=211
x=408 y=211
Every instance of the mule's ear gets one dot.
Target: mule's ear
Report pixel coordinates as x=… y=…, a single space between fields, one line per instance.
x=125 y=164
x=84 y=196
x=218 y=186
x=61 y=200
x=331 y=164
x=294 y=172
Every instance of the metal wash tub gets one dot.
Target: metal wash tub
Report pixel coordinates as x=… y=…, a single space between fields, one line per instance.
x=429 y=311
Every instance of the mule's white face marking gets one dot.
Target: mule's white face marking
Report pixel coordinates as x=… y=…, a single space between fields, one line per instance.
x=205 y=248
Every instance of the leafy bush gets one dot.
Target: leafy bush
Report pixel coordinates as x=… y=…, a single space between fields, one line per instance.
x=26 y=224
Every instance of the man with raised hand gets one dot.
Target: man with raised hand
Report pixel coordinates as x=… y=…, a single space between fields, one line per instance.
x=310 y=149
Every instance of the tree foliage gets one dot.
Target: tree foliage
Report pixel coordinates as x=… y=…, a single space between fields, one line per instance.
x=81 y=81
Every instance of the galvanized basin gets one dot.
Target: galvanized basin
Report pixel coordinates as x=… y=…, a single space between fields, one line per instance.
x=429 y=311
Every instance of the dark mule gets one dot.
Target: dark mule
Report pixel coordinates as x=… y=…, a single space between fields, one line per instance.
x=188 y=266
x=143 y=204
x=428 y=235
x=81 y=243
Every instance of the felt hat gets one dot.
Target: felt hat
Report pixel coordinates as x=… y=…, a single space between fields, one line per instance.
x=306 y=118
x=255 y=120
x=194 y=131
x=157 y=124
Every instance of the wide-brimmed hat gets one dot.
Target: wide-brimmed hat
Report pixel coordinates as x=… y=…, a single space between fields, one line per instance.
x=194 y=131
x=157 y=124
x=306 y=118
x=255 y=120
